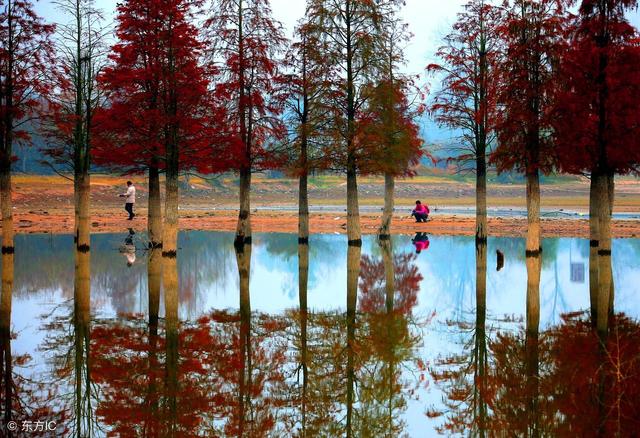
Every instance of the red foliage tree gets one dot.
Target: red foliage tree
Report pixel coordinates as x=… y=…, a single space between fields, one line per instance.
x=388 y=126
x=467 y=99
x=159 y=117
x=532 y=34
x=248 y=41
x=307 y=111
x=596 y=398
x=597 y=118
x=397 y=293
x=389 y=121
x=26 y=57
x=355 y=31
x=155 y=385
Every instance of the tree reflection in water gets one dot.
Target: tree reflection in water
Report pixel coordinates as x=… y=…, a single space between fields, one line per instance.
x=221 y=375
x=68 y=346
x=569 y=380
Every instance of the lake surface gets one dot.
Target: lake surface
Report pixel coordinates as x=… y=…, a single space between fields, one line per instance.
x=416 y=347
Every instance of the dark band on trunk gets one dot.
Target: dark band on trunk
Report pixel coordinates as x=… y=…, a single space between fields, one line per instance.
x=155 y=245
x=244 y=214
x=356 y=242
x=604 y=252
x=303 y=240
x=170 y=254
x=482 y=240
x=533 y=252
x=384 y=237
x=8 y=249
x=240 y=241
x=594 y=243
x=83 y=248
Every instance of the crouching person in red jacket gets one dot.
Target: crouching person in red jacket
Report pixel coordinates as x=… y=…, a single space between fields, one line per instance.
x=421 y=212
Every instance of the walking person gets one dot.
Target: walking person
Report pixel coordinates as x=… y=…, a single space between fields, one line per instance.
x=130 y=199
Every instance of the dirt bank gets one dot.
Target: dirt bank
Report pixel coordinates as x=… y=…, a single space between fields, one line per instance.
x=43 y=204
x=37 y=221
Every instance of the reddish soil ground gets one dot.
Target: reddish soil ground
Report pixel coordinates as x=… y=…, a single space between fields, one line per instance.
x=44 y=205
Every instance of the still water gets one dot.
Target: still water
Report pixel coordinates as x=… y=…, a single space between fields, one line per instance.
x=324 y=340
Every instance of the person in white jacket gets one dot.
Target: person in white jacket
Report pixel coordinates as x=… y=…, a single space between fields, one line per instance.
x=130 y=199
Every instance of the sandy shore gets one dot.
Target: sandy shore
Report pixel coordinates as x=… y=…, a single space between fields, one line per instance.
x=36 y=221
x=43 y=204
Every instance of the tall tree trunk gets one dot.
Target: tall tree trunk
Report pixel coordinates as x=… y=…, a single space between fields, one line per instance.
x=170 y=227
x=612 y=190
x=533 y=212
x=154 y=282
x=243 y=229
x=82 y=197
x=480 y=347
x=303 y=283
x=534 y=265
x=353 y=272
x=604 y=253
x=353 y=209
x=82 y=325
x=481 y=197
x=303 y=209
x=594 y=246
x=391 y=323
x=7 y=208
x=387 y=214
x=154 y=211
x=5 y=329
x=386 y=248
x=170 y=282
x=243 y=259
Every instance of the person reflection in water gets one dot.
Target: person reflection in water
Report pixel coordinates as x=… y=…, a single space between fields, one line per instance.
x=421 y=242
x=128 y=249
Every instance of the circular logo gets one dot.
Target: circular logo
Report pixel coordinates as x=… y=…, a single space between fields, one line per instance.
x=12 y=426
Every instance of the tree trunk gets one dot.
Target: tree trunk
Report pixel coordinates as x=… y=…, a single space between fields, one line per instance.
x=303 y=282
x=353 y=272
x=82 y=322
x=604 y=253
x=170 y=227
x=389 y=274
x=303 y=209
x=533 y=212
x=82 y=286
x=154 y=282
x=534 y=265
x=170 y=285
x=612 y=190
x=480 y=348
x=5 y=329
x=6 y=205
x=82 y=185
x=243 y=259
x=387 y=214
x=594 y=245
x=243 y=229
x=171 y=304
x=154 y=211
x=391 y=323
x=353 y=210
x=481 y=198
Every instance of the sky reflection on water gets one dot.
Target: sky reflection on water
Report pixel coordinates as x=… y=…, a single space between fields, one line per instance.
x=433 y=314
